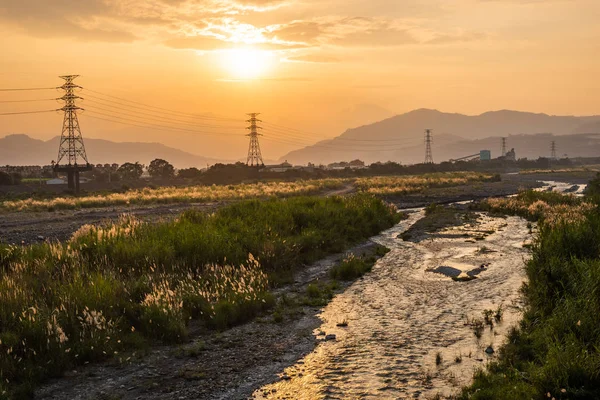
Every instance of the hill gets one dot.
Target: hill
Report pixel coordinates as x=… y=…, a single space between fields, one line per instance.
x=400 y=138
x=21 y=149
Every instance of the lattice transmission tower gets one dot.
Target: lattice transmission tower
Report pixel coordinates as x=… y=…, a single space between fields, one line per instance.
x=254 y=155
x=503 y=146
x=72 y=157
x=553 y=150
x=428 y=141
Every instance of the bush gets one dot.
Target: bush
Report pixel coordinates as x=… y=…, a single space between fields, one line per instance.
x=556 y=350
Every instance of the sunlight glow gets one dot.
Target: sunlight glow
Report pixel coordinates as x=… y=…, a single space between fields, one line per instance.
x=247 y=63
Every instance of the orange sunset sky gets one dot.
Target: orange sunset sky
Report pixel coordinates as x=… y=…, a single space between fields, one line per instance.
x=320 y=66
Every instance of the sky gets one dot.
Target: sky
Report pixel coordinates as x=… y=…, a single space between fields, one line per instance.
x=312 y=68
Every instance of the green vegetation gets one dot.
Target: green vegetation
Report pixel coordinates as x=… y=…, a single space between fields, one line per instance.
x=121 y=286
x=353 y=267
x=555 y=353
x=400 y=185
x=390 y=185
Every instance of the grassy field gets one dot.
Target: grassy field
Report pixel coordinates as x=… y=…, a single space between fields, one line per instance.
x=166 y=195
x=555 y=352
x=125 y=285
x=389 y=185
x=399 y=185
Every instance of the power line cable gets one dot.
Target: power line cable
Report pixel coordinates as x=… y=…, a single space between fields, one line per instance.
x=129 y=121
x=159 y=118
x=25 y=101
x=23 y=89
x=27 y=112
x=163 y=109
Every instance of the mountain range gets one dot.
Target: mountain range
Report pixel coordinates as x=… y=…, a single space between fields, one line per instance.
x=401 y=138
x=21 y=149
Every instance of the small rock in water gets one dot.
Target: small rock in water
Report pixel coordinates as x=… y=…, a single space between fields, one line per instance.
x=40 y=237
x=489 y=350
x=331 y=336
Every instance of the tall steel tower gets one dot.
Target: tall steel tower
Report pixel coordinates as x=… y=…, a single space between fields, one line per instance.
x=428 y=141
x=72 y=158
x=503 y=146
x=553 y=150
x=254 y=156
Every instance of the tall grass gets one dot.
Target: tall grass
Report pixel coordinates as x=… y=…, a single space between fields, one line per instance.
x=113 y=287
x=167 y=195
x=555 y=352
x=398 y=185
x=552 y=207
x=389 y=185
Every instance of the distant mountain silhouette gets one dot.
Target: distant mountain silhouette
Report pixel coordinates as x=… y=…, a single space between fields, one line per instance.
x=400 y=138
x=21 y=149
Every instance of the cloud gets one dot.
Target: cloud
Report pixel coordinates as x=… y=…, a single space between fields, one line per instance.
x=63 y=18
x=312 y=58
x=449 y=38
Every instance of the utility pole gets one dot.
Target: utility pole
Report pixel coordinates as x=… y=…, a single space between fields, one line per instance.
x=428 y=141
x=553 y=150
x=72 y=158
x=254 y=155
x=503 y=146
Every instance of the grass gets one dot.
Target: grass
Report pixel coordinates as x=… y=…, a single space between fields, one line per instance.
x=389 y=185
x=555 y=352
x=169 y=195
x=400 y=185
x=353 y=267
x=122 y=286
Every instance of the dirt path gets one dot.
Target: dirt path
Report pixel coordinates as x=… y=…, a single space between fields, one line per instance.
x=30 y=227
x=401 y=316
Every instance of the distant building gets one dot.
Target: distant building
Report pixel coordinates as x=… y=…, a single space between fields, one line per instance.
x=485 y=155
x=284 y=166
x=511 y=155
x=354 y=164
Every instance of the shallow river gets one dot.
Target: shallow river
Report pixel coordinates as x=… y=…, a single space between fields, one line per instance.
x=402 y=316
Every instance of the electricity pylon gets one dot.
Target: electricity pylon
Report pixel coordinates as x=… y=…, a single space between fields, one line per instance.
x=254 y=155
x=72 y=157
x=428 y=141
x=503 y=146
x=553 y=150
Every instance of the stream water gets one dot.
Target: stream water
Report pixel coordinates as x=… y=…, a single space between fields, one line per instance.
x=402 y=316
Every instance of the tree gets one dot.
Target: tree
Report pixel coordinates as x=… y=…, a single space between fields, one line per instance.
x=12 y=178
x=189 y=173
x=131 y=171
x=160 y=168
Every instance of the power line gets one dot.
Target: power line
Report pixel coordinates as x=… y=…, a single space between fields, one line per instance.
x=154 y=115
x=428 y=140
x=254 y=155
x=27 y=112
x=158 y=118
x=23 y=89
x=163 y=109
x=25 y=101
x=163 y=128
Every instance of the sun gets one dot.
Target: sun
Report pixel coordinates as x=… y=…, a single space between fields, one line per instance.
x=247 y=63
